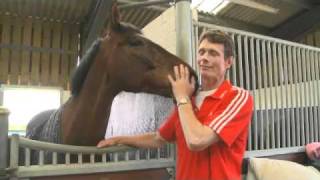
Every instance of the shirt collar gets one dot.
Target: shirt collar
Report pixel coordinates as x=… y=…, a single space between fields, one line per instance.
x=222 y=89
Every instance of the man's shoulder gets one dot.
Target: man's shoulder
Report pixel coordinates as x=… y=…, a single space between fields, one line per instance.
x=238 y=93
x=236 y=90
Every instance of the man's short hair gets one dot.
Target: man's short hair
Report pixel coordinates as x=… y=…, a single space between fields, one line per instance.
x=217 y=36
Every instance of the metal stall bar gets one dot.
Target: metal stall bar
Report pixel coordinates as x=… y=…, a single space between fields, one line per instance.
x=286 y=94
x=275 y=85
x=297 y=92
x=259 y=98
x=195 y=47
x=306 y=95
x=14 y=152
x=67 y=158
x=239 y=61
x=290 y=99
x=266 y=100
x=303 y=97
x=271 y=94
x=268 y=91
x=234 y=66
x=279 y=86
x=318 y=90
x=293 y=77
x=27 y=157
x=309 y=96
x=300 y=90
x=55 y=158
x=281 y=107
x=247 y=83
x=317 y=97
x=41 y=157
x=254 y=88
x=313 y=98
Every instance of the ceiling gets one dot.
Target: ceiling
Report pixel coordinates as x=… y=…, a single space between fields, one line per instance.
x=301 y=16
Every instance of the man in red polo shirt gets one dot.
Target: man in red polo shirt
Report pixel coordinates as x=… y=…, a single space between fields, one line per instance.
x=210 y=129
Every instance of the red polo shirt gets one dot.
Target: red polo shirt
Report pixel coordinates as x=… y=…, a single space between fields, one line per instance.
x=228 y=112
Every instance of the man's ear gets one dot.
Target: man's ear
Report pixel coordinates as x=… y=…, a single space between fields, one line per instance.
x=228 y=62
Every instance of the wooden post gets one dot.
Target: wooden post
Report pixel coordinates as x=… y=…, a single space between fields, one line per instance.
x=3 y=141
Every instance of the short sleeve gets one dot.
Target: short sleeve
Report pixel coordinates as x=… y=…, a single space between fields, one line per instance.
x=233 y=118
x=167 y=129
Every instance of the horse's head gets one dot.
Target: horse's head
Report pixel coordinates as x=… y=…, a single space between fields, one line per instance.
x=136 y=63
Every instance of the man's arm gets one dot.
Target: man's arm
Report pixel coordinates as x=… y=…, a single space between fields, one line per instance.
x=198 y=136
x=148 y=140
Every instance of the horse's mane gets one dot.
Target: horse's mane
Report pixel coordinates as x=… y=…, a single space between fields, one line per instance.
x=82 y=70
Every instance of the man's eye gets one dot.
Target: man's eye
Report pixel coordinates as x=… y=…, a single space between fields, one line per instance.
x=201 y=52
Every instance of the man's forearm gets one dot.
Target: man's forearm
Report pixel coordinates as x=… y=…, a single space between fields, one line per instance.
x=148 y=140
x=197 y=135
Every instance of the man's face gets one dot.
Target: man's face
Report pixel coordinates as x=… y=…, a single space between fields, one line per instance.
x=211 y=61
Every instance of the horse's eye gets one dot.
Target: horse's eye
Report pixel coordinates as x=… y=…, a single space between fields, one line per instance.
x=147 y=62
x=135 y=42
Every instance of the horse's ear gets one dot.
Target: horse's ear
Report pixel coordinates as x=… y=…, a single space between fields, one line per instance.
x=115 y=18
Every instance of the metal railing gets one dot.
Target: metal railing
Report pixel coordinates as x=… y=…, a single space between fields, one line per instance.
x=57 y=159
x=79 y=159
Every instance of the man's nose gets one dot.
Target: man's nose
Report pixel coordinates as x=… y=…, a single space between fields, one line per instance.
x=202 y=60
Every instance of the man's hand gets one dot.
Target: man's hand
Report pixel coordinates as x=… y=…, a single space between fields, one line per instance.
x=181 y=84
x=313 y=150
x=147 y=140
x=108 y=142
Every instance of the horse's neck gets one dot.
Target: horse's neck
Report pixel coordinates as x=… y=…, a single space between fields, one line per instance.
x=85 y=118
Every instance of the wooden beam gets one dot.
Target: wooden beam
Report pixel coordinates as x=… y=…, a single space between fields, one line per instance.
x=256 y=5
x=153 y=7
x=144 y=4
x=295 y=28
x=97 y=21
x=300 y=3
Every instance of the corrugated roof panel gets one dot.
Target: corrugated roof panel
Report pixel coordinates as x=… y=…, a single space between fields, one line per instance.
x=75 y=11
x=149 y=15
x=284 y=14
x=258 y=17
x=139 y=16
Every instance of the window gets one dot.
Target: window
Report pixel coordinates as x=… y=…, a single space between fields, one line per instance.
x=25 y=102
x=209 y=6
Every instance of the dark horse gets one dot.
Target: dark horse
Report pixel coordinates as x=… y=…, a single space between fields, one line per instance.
x=123 y=60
